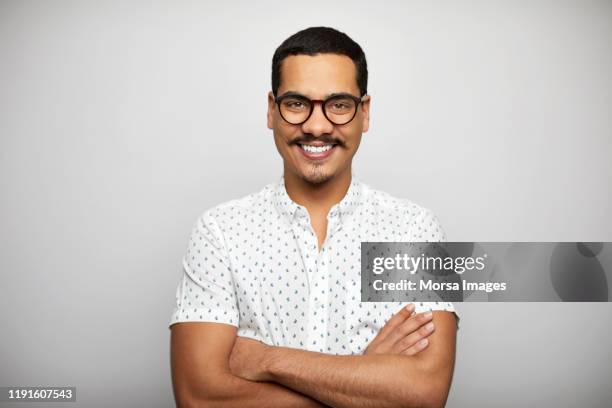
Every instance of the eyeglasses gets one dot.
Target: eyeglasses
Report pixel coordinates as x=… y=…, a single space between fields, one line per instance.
x=339 y=109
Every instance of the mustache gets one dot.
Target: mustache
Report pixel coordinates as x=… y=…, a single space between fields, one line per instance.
x=323 y=138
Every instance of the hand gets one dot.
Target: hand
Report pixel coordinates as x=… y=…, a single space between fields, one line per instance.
x=247 y=359
x=405 y=333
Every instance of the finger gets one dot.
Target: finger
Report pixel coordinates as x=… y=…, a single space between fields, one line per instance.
x=408 y=326
x=413 y=338
x=417 y=348
x=396 y=320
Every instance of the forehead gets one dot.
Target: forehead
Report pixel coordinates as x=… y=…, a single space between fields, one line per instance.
x=318 y=75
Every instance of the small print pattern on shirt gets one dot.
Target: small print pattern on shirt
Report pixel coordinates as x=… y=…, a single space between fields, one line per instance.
x=254 y=263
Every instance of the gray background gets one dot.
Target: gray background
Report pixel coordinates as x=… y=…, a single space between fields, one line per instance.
x=121 y=122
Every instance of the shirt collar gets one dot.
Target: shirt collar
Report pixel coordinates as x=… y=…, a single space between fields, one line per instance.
x=291 y=211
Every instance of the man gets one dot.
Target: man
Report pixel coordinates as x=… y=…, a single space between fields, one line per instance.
x=268 y=310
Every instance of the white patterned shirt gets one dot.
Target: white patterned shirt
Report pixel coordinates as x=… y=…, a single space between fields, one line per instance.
x=254 y=263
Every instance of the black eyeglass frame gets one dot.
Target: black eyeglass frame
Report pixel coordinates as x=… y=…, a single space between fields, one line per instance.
x=312 y=102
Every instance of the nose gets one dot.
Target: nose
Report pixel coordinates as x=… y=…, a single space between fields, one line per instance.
x=317 y=124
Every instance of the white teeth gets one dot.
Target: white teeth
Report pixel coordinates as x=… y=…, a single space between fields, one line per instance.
x=316 y=149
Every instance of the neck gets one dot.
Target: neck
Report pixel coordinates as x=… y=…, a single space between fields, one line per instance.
x=318 y=198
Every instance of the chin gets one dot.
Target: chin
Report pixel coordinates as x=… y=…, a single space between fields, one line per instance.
x=317 y=175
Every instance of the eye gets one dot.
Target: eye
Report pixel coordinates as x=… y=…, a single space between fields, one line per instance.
x=295 y=104
x=340 y=105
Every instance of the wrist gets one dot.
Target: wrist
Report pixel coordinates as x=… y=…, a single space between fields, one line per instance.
x=269 y=362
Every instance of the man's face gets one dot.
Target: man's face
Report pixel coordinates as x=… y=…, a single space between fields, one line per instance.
x=318 y=77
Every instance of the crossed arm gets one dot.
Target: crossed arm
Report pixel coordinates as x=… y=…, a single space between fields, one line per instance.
x=406 y=365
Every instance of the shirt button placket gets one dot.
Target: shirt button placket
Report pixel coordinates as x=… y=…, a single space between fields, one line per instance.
x=324 y=296
x=310 y=253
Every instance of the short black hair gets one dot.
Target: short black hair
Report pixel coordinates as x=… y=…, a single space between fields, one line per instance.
x=321 y=40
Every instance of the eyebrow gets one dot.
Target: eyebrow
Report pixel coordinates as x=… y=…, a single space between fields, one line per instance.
x=293 y=93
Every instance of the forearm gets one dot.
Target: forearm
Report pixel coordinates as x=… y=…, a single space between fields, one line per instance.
x=352 y=381
x=227 y=390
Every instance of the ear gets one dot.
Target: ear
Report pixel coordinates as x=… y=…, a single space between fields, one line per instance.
x=365 y=113
x=271 y=109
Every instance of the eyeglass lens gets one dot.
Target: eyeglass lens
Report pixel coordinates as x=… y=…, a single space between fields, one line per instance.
x=338 y=110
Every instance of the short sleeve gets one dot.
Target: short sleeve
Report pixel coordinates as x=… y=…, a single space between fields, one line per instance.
x=420 y=307
x=205 y=292
x=426 y=227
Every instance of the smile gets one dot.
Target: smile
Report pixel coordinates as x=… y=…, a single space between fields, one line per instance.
x=317 y=149
x=317 y=152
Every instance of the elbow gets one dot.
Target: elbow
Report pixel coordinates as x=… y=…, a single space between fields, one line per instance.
x=433 y=400
x=188 y=403
x=189 y=400
x=432 y=394
x=184 y=400
x=427 y=392
x=205 y=396
x=193 y=401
